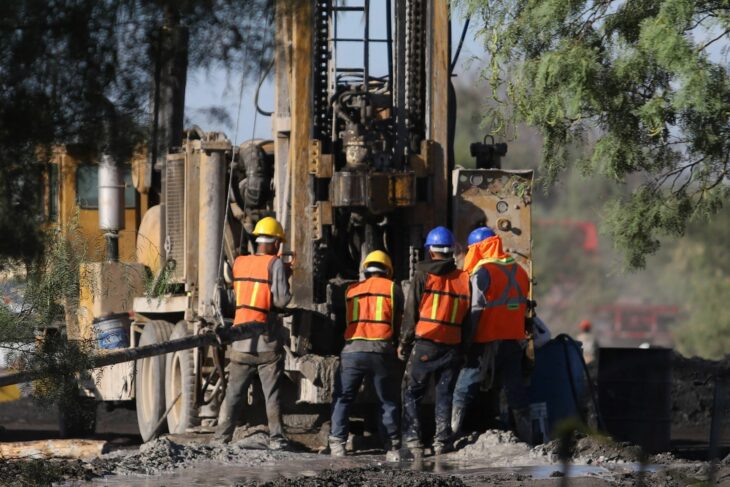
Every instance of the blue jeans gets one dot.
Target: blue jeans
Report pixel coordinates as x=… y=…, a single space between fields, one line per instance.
x=354 y=368
x=427 y=359
x=508 y=370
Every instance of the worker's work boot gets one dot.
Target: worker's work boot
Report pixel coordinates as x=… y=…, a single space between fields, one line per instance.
x=392 y=451
x=278 y=443
x=415 y=449
x=441 y=447
x=457 y=420
x=523 y=424
x=337 y=447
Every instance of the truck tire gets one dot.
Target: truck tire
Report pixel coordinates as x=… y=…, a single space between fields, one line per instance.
x=149 y=382
x=77 y=417
x=180 y=381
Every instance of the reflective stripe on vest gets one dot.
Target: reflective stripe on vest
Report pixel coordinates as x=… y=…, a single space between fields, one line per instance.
x=503 y=316
x=370 y=309
x=252 y=288
x=444 y=304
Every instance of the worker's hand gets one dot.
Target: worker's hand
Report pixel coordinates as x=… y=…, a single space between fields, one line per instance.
x=288 y=259
x=402 y=353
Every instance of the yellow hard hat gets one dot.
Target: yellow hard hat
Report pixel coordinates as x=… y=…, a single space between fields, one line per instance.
x=269 y=227
x=378 y=257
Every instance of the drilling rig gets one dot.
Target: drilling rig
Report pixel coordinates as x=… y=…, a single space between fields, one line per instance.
x=361 y=158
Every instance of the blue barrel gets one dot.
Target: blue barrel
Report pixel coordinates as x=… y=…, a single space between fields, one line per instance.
x=112 y=331
x=558 y=380
x=635 y=395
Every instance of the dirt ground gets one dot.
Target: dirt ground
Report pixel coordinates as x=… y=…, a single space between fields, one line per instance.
x=493 y=458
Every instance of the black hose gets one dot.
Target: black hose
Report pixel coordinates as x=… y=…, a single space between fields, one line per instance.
x=258 y=89
x=594 y=398
x=458 y=48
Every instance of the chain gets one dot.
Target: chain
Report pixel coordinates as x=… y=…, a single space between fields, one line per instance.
x=414 y=31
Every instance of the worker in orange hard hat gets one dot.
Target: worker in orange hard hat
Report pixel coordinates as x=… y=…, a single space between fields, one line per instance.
x=500 y=290
x=374 y=310
x=587 y=340
x=261 y=286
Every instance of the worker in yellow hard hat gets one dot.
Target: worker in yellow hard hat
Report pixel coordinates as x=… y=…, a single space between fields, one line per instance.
x=373 y=316
x=261 y=286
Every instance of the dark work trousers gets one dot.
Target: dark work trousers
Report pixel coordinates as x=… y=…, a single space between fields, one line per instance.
x=381 y=369
x=507 y=370
x=243 y=366
x=427 y=359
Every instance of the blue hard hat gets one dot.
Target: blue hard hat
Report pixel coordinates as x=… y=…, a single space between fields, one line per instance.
x=440 y=237
x=481 y=233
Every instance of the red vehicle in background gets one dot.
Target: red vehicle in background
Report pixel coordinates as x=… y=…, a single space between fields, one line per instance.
x=631 y=325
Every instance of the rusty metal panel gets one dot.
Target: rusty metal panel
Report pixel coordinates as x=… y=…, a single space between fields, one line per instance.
x=300 y=92
x=349 y=189
x=500 y=199
x=403 y=189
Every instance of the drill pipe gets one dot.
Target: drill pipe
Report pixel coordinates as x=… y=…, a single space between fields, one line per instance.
x=220 y=337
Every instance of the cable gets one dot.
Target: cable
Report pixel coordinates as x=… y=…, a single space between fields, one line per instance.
x=458 y=48
x=258 y=89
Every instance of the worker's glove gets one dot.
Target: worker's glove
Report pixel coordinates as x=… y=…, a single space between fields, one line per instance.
x=403 y=353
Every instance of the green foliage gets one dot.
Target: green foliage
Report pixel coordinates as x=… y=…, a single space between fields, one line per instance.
x=700 y=270
x=50 y=289
x=644 y=76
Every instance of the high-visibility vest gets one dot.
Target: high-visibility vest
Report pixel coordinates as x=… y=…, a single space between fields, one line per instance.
x=503 y=318
x=252 y=287
x=444 y=304
x=370 y=312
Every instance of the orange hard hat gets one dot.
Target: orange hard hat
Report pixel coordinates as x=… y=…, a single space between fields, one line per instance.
x=585 y=325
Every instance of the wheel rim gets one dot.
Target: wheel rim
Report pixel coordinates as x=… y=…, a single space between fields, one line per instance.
x=175 y=389
x=148 y=380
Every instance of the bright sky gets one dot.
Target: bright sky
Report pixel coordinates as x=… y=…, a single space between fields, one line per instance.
x=215 y=88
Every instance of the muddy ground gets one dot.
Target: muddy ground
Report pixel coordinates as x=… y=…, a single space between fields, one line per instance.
x=493 y=458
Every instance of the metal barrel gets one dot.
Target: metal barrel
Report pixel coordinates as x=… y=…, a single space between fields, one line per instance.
x=112 y=331
x=634 y=395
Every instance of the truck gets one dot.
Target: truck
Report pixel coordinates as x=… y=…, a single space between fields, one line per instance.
x=361 y=158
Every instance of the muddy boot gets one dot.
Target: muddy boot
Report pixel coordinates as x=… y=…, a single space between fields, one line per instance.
x=441 y=447
x=278 y=443
x=523 y=424
x=415 y=449
x=392 y=451
x=337 y=447
x=457 y=420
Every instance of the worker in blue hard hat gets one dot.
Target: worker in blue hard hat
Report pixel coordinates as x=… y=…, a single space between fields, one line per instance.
x=434 y=322
x=500 y=289
x=479 y=234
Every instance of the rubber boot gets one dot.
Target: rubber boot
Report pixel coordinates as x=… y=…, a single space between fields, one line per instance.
x=457 y=420
x=337 y=447
x=523 y=424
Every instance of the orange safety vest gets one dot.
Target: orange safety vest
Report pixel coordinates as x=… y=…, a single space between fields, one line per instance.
x=444 y=304
x=503 y=318
x=252 y=287
x=370 y=311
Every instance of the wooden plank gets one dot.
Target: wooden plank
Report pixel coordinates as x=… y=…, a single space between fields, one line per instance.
x=41 y=449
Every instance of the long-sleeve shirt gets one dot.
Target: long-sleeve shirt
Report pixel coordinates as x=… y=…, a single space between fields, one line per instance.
x=380 y=346
x=273 y=339
x=415 y=294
